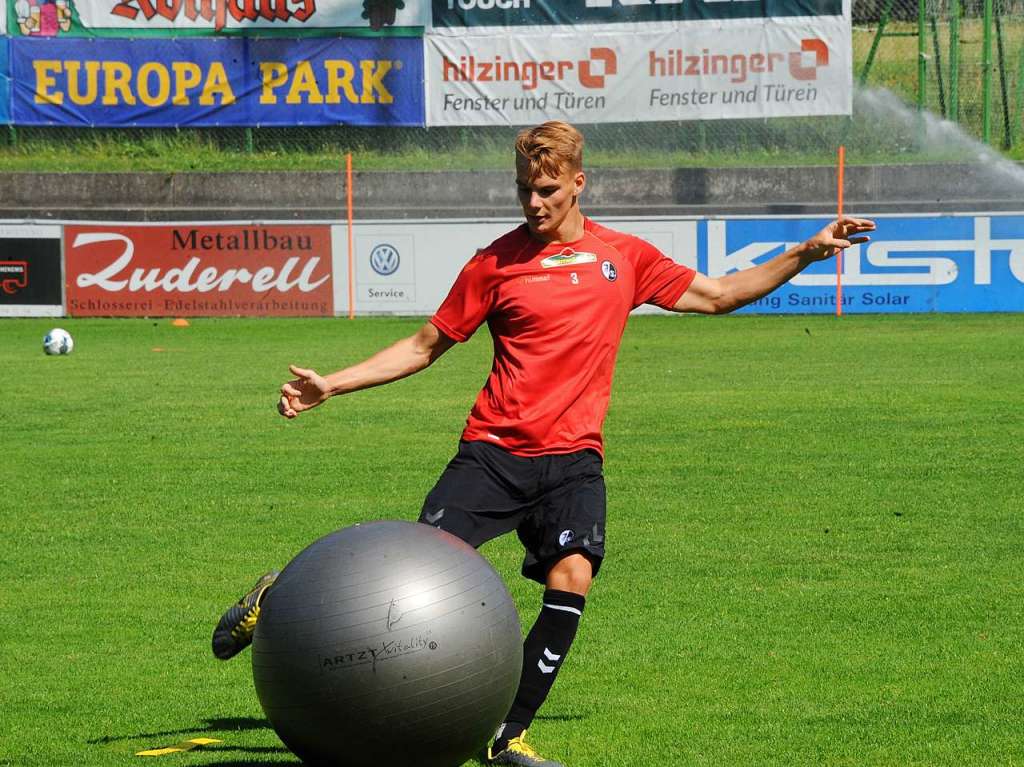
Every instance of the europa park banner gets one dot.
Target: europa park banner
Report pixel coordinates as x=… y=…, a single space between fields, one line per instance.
x=178 y=18
x=190 y=270
x=217 y=81
x=684 y=71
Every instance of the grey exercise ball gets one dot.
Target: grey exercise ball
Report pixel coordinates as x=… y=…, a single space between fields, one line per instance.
x=387 y=644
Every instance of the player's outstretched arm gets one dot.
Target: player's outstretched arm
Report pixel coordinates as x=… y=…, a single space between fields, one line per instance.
x=707 y=295
x=403 y=358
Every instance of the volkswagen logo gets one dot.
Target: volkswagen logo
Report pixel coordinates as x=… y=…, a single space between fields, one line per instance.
x=384 y=259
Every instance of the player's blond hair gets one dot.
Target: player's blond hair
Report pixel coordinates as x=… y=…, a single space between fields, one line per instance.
x=550 y=148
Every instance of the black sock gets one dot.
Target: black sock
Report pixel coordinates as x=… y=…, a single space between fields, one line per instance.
x=506 y=731
x=544 y=652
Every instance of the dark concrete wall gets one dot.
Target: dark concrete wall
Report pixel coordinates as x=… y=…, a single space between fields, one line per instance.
x=461 y=194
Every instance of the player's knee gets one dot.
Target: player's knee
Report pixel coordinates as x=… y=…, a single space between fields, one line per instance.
x=573 y=573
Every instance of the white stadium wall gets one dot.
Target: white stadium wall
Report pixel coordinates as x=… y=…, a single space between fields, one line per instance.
x=915 y=263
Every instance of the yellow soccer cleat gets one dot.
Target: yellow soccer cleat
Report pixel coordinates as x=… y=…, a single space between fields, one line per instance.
x=236 y=626
x=518 y=752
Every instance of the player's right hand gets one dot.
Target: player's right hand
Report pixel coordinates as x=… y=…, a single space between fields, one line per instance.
x=307 y=390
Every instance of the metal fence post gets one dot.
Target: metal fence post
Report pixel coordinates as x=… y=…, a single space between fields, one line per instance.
x=937 y=53
x=922 y=56
x=1003 y=90
x=954 y=60
x=879 y=34
x=1019 y=95
x=986 y=75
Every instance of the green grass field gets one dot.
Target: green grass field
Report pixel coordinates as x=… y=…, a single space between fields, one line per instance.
x=815 y=535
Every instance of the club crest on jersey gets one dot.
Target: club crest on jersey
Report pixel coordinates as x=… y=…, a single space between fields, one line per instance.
x=608 y=270
x=567 y=257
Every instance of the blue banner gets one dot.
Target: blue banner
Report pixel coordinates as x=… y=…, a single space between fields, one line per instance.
x=953 y=263
x=217 y=81
x=5 y=80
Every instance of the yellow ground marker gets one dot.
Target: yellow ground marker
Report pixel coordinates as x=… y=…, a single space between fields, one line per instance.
x=185 y=745
x=181 y=322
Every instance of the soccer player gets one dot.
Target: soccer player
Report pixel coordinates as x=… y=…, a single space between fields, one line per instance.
x=555 y=294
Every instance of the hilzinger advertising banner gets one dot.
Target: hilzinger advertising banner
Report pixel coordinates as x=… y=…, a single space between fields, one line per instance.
x=167 y=18
x=217 y=81
x=688 y=71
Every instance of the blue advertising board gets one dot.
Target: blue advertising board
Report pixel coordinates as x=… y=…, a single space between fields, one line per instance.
x=217 y=81
x=5 y=80
x=938 y=263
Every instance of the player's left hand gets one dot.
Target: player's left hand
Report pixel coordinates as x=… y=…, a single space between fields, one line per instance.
x=307 y=390
x=837 y=236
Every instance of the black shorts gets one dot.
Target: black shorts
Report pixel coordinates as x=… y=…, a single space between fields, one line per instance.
x=555 y=503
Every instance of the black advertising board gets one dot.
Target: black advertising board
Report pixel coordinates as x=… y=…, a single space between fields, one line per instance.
x=30 y=270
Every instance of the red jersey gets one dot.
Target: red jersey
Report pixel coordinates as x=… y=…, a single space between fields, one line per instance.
x=556 y=313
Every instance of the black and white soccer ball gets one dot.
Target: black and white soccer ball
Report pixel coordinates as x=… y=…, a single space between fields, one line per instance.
x=58 y=341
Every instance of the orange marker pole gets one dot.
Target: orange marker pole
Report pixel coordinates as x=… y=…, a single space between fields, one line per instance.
x=839 y=255
x=351 y=248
